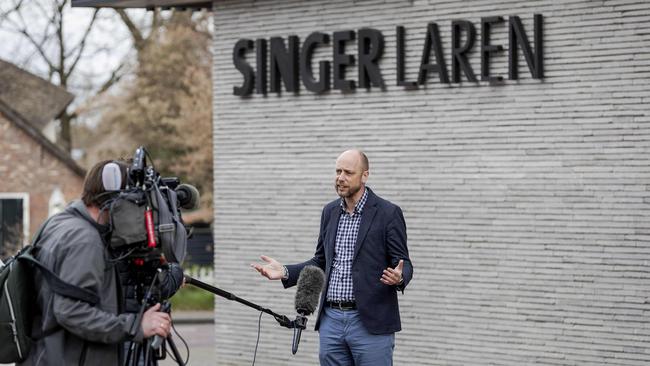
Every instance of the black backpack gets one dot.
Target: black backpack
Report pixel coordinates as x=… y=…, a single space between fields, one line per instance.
x=18 y=300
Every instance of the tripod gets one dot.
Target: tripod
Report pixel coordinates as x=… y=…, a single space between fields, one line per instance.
x=153 y=348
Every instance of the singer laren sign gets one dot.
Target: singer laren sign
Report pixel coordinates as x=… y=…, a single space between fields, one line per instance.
x=290 y=63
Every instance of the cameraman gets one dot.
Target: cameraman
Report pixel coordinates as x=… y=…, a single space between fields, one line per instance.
x=74 y=246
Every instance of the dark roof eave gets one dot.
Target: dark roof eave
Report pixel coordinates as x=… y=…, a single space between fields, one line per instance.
x=17 y=119
x=142 y=4
x=65 y=107
x=34 y=98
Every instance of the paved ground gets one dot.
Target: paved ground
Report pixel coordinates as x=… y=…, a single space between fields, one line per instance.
x=198 y=331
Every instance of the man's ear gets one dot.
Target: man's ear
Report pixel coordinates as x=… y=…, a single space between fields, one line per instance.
x=364 y=176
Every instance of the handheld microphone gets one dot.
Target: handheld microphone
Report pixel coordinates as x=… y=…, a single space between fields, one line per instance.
x=188 y=196
x=310 y=285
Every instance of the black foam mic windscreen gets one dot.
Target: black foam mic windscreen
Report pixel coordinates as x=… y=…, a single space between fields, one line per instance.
x=188 y=196
x=310 y=285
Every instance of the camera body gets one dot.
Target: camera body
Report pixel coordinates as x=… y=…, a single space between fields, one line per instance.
x=145 y=217
x=148 y=240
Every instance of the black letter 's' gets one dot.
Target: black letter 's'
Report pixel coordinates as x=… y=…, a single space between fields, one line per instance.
x=246 y=70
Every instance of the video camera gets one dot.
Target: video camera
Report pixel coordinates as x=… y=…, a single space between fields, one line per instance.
x=145 y=216
x=147 y=234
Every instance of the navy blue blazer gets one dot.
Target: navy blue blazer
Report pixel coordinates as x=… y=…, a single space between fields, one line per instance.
x=381 y=243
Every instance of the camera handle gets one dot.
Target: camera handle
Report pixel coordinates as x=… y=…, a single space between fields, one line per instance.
x=281 y=319
x=166 y=307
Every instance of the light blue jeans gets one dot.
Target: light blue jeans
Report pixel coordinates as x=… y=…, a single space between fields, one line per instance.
x=344 y=341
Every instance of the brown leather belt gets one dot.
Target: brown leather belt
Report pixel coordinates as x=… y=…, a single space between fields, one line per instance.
x=342 y=305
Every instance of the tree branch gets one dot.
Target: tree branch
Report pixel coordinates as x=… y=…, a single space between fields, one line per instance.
x=82 y=45
x=59 y=32
x=138 y=38
x=116 y=75
x=15 y=8
x=39 y=48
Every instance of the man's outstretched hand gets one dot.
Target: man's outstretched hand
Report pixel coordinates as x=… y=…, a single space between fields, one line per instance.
x=273 y=270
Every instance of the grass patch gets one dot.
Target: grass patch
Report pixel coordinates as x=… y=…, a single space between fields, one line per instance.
x=192 y=298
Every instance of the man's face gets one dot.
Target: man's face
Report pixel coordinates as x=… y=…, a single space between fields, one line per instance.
x=350 y=176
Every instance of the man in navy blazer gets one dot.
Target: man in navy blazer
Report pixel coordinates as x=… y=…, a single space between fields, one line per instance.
x=362 y=249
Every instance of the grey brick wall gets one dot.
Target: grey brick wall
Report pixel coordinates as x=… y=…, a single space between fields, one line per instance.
x=527 y=203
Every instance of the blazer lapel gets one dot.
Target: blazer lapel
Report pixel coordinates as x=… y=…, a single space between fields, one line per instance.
x=332 y=228
x=367 y=216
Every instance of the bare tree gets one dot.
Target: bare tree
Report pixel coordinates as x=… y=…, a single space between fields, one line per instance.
x=60 y=42
x=166 y=106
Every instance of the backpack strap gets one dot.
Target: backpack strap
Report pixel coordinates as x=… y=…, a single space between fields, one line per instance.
x=55 y=282
x=59 y=286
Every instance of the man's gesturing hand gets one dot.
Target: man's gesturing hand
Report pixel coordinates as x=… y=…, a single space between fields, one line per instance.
x=273 y=270
x=393 y=276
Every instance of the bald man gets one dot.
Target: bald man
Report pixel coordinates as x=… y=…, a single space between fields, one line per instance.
x=362 y=249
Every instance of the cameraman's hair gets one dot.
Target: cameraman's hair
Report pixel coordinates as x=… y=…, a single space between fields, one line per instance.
x=93 y=191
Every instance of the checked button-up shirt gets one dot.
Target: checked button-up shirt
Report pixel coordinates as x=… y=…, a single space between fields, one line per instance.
x=340 y=285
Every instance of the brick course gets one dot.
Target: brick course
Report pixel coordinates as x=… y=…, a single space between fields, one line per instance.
x=27 y=167
x=526 y=203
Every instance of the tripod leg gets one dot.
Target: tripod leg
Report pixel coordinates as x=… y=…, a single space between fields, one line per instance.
x=131 y=349
x=177 y=355
x=129 y=352
x=147 y=352
x=138 y=353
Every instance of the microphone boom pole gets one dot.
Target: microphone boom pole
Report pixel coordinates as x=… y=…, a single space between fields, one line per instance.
x=282 y=319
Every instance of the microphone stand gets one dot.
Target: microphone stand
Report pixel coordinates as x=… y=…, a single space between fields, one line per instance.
x=281 y=319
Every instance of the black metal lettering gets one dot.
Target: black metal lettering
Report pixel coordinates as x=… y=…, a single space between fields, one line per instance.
x=459 y=52
x=284 y=64
x=260 y=80
x=517 y=36
x=487 y=49
x=306 y=74
x=244 y=67
x=340 y=60
x=371 y=49
x=433 y=40
x=400 y=54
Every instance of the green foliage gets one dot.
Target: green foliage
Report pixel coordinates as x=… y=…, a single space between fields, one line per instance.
x=192 y=298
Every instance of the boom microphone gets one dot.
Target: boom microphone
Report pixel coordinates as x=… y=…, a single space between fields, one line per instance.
x=310 y=285
x=188 y=196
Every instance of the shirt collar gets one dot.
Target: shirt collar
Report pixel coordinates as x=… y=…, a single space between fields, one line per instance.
x=358 y=208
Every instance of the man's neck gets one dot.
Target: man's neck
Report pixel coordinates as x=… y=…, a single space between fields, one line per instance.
x=93 y=211
x=351 y=202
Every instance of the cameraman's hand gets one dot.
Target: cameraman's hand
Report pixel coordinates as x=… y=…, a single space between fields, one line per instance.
x=273 y=270
x=155 y=322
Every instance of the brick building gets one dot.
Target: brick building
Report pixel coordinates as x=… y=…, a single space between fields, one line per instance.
x=37 y=178
x=521 y=163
